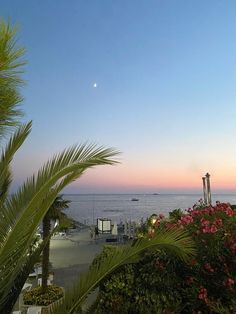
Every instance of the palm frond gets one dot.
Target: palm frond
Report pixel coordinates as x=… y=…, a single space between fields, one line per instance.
x=22 y=213
x=16 y=287
x=13 y=145
x=11 y=56
x=10 y=77
x=175 y=241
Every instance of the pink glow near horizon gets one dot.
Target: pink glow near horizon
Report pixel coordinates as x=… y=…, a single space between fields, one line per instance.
x=124 y=177
x=140 y=175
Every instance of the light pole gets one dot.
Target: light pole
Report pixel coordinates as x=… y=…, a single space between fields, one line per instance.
x=208 y=189
x=204 y=190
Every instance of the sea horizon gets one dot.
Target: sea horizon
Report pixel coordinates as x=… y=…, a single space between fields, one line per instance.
x=118 y=193
x=118 y=207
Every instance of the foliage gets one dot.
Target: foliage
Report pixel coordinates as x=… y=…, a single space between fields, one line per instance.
x=66 y=223
x=139 y=288
x=212 y=275
x=160 y=282
x=174 y=241
x=36 y=297
x=176 y=214
x=11 y=63
x=127 y=289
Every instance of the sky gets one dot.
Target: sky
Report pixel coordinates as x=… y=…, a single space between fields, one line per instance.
x=155 y=79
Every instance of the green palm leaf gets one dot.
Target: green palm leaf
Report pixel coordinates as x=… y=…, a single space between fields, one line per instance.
x=175 y=241
x=10 y=77
x=17 y=285
x=13 y=145
x=25 y=209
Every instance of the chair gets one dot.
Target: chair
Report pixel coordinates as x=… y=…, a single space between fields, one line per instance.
x=33 y=275
x=34 y=310
x=49 y=283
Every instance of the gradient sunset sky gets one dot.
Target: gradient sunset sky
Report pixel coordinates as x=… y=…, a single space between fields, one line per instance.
x=165 y=95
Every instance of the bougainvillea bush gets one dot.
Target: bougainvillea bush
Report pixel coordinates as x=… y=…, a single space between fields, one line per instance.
x=160 y=283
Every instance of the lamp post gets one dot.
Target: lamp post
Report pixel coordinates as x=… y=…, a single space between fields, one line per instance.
x=152 y=221
x=208 y=189
x=204 y=190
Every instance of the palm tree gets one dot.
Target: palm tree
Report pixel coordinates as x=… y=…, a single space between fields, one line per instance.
x=53 y=213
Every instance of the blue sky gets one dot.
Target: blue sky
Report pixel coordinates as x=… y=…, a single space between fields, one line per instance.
x=165 y=95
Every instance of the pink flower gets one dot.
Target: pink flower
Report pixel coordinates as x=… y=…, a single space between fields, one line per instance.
x=204 y=222
x=213 y=229
x=203 y=294
x=208 y=267
x=218 y=222
x=229 y=212
x=229 y=282
x=185 y=220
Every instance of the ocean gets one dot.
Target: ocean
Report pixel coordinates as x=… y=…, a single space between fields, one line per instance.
x=86 y=208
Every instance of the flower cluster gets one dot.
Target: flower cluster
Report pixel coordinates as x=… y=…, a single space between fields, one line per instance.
x=185 y=220
x=162 y=283
x=202 y=295
x=213 y=229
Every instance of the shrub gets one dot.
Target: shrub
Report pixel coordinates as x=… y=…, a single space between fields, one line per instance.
x=161 y=283
x=36 y=297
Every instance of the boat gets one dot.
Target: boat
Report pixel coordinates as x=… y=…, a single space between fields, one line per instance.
x=134 y=199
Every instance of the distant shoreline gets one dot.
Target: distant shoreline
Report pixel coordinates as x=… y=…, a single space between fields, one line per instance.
x=149 y=194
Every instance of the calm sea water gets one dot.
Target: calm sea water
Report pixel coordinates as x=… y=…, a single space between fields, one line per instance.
x=86 y=208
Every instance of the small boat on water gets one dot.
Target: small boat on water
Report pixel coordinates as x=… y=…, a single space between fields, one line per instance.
x=134 y=199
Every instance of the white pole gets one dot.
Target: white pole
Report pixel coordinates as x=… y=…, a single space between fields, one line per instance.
x=204 y=190
x=208 y=189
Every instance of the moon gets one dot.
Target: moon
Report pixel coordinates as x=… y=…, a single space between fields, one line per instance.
x=95 y=85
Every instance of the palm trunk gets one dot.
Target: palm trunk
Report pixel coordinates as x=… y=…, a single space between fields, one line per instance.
x=45 y=261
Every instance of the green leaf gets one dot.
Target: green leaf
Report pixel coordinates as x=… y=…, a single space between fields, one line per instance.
x=25 y=209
